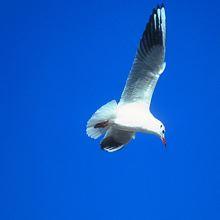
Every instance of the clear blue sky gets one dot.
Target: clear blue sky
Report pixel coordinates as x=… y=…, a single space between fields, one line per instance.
x=60 y=61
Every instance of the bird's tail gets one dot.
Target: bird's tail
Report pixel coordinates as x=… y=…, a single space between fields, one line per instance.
x=99 y=122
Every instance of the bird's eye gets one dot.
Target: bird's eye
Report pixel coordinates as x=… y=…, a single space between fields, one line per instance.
x=161 y=126
x=163 y=131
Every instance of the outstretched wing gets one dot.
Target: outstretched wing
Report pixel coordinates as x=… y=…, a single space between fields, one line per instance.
x=115 y=139
x=149 y=60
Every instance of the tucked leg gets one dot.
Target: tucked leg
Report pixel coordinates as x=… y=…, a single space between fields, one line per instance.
x=101 y=124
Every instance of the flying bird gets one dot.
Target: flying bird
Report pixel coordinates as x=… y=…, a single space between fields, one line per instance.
x=120 y=121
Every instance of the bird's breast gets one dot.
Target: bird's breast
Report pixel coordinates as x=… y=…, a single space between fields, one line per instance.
x=131 y=117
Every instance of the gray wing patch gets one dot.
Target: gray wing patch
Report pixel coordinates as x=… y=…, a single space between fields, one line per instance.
x=115 y=139
x=149 y=60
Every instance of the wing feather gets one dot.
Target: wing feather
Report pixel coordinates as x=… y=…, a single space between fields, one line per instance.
x=149 y=60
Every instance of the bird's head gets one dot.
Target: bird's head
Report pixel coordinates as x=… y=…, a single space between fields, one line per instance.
x=156 y=127
x=161 y=133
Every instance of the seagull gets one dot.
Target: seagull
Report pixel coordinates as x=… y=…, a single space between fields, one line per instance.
x=120 y=121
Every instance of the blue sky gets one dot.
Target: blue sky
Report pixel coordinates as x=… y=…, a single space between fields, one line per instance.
x=61 y=60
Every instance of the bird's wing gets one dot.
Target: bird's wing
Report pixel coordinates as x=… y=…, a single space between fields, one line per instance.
x=115 y=139
x=149 y=60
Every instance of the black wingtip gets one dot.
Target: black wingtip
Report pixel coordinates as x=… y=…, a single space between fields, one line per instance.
x=159 y=6
x=110 y=144
x=153 y=34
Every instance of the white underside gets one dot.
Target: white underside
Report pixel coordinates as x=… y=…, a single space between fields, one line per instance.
x=131 y=117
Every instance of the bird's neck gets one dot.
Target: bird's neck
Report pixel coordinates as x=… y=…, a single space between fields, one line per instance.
x=151 y=124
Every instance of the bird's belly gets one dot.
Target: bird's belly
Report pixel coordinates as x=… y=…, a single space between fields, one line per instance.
x=127 y=125
x=130 y=118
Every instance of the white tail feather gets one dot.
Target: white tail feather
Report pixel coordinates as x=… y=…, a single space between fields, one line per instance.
x=105 y=113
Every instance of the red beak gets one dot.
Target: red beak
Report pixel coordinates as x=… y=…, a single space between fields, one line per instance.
x=164 y=141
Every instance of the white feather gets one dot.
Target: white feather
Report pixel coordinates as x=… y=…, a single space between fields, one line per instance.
x=105 y=113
